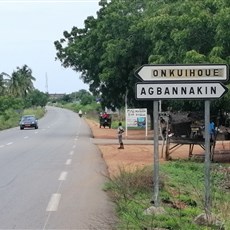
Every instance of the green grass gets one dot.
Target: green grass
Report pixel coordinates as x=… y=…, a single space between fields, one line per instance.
x=38 y=112
x=181 y=195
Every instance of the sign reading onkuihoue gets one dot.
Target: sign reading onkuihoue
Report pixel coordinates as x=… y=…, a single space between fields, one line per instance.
x=218 y=72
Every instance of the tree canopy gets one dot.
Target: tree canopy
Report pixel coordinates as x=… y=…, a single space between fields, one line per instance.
x=19 y=87
x=20 y=83
x=82 y=96
x=127 y=34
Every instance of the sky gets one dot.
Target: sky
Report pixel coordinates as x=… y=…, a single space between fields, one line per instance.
x=28 y=30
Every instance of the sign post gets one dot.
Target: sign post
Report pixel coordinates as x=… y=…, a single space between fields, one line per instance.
x=182 y=82
x=156 y=156
x=207 y=196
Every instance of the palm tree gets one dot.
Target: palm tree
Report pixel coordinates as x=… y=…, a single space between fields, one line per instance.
x=20 y=83
x=26 y=80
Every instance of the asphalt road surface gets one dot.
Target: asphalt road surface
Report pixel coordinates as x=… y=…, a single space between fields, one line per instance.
x=52 y=177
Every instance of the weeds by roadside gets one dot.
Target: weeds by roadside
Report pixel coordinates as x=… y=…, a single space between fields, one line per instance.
x=181 y=195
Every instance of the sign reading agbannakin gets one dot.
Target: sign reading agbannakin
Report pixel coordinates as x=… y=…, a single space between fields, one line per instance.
x=207 y=90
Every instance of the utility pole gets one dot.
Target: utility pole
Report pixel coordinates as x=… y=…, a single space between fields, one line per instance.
x=47 y=91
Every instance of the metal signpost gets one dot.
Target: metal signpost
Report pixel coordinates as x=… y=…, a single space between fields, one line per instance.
x=156 y=155
x=182 y=82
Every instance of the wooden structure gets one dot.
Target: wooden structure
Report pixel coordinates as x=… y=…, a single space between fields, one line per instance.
x=184 y=132
x=174 y=143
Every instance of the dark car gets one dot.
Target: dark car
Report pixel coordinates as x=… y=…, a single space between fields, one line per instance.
x=28 y=121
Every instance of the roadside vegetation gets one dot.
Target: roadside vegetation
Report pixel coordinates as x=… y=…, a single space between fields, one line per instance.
x=80 y=100
x=181 y=195
x=19 y=97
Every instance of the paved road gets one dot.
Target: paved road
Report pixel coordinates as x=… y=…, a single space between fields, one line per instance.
x=52 y=178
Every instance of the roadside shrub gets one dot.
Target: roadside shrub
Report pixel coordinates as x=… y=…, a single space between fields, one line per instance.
x=132 y=181
x=181 y=195
x=37 y=111
x=8 y=119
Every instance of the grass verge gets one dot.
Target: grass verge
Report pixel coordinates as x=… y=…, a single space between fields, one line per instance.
x=181 y=195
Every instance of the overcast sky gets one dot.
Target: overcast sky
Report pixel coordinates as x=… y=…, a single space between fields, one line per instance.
x=28 y=31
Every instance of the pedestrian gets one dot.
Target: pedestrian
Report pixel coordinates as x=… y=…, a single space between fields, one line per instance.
x=163 y=125
x=120 y=131
x=212 y=131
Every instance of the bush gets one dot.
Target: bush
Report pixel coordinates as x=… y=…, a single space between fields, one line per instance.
x=181 y=195
x=8 y=119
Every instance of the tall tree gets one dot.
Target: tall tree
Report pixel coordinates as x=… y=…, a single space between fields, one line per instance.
x=26 y=80
x=20 y=83
x=127 y=34
x=107 y=50
x=185 y=32
x=188 y=31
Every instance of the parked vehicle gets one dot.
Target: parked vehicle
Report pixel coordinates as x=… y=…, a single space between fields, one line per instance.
x=28 y=121
x=105 y=121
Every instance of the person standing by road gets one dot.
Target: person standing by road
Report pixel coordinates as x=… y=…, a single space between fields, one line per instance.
x=212 y=131
x=120 y=131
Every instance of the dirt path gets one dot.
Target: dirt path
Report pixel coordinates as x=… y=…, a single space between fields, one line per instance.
x=134 y=156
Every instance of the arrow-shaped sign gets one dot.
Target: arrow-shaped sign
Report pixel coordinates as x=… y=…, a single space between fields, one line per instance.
x=206 y=90
x=218 y=72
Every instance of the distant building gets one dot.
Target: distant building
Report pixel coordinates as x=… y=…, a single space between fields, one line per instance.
x=56 y=95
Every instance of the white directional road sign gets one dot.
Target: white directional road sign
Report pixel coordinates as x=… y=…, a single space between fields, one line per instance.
x=180 y=90
x=218 y=72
